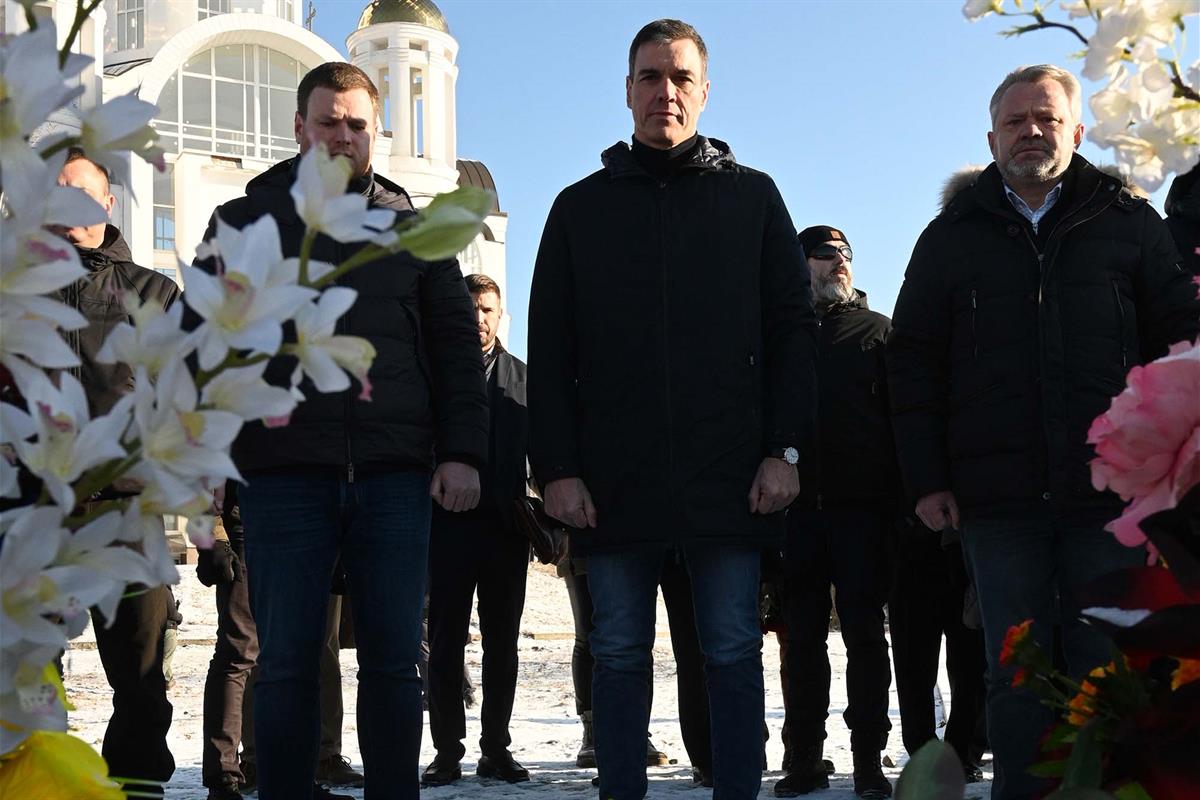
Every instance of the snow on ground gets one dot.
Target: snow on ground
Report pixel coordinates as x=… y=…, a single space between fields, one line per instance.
x=545 y=730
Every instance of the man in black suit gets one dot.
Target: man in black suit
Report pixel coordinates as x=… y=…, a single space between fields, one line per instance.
x=481 y=550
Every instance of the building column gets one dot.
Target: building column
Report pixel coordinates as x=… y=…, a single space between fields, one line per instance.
x=433 y=85
x=400 y=103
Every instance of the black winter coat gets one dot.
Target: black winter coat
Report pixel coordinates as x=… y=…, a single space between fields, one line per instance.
x=427 y=378
x=505 y=478
x=1001 y=355
x=1183 y=218
x=854 y=427
x=99 y=297
x=671 y=347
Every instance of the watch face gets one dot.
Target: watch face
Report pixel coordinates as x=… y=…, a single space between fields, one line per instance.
x=791 y=455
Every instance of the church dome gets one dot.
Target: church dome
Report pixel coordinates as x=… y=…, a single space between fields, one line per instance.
x=421 y=12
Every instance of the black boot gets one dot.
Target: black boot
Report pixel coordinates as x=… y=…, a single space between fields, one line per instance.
x=869 y=781
x=654 y=756
x=807 y=774
x=586 y=758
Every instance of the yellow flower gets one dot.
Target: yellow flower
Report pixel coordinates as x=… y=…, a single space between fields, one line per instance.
x=1187 y=672
x=56 y=766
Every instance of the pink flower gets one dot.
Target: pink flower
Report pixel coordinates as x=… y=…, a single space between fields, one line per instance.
x=1148 y=442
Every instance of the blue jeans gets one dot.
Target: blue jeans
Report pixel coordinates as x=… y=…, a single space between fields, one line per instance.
x=296 y=524
x=624 y=589
x=1031 y=565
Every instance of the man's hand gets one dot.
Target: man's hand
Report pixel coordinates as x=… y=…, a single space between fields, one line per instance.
x=938 y=511
x=775 y=486
x=217 y=565
x=568 y=501
x=455 y=486
x=218 y=503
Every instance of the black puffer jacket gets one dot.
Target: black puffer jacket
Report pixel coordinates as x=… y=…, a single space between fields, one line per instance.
x=857 y=452
x=1003 y=352
x=427 y=379
x=671 y=347
x=99 y=296
x=1183 y=217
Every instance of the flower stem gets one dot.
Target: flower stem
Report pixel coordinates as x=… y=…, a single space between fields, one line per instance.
x=83 y=10
x=59 y=146
x=306 y=245
x=231 y=361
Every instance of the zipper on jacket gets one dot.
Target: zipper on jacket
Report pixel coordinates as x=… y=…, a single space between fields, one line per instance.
x=1121 y=329
x=662 y=202
x=343 y=326
x=974 y=332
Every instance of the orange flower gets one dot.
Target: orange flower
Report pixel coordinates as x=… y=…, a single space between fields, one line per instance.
x=1187 y=672
x=1088 y=687
x=1080 y=708
x=1016 y=636
x=1021 y=677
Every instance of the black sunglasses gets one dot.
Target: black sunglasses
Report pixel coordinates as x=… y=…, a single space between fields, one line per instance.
x=827 y=252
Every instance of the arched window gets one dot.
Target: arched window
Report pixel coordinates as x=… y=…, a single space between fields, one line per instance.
x=236 y=99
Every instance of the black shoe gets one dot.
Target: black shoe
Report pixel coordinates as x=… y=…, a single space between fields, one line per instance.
x=322 y=793
x=226 y=790
x=469 y=698
x=869 y=781
x=249 y=777
x=442 y=771
x=501 y=765
x=654 y=756
x=806 y=775
x=972 y=773
x=596 y=781
x=336 y=771
x=828 y=764
x=586 y=757
x=702 y=777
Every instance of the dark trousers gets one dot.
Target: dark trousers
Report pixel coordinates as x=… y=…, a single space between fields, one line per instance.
x=927 y=604
x=469 y=553
x=131 y=651
x=848 y=549
x=689 y=660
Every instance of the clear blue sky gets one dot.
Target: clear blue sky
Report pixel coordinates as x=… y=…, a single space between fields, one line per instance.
x=859 y=110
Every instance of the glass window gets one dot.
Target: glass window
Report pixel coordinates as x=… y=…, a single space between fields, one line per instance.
x=164 y=209
x=210 y=8
x=283 y=8
x=234 y=100
x=131 y=22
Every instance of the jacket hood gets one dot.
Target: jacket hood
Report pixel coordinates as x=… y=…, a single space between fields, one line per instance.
x=113 y=249
x=981 y=186
x=965 y=177
x=1183 y=199
x=380 y=190
x=712 y=154
x=857 y=303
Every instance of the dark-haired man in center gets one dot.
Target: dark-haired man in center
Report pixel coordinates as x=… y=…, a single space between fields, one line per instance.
x=671 y=396
x=353 y=476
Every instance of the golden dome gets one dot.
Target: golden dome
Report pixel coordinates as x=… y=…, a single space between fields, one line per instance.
x=422 y=12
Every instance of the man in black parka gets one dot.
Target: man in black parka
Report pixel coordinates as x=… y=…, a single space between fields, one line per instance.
x=130 y=646
x=671 y=394
x=481 y=551
x=1025 y=304
x=355 y=477
x=840 y=532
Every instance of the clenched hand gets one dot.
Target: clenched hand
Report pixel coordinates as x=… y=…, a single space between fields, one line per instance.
x=775 y=486
x=455 y=486
x=568 y=501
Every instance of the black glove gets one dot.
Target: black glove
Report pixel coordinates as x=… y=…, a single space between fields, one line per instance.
x=218 y=564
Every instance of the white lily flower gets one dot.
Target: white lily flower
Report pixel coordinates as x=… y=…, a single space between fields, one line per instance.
x=68 y=442
x=31 y=696
x=978 y=9
x=243 y=391
x=119 y=126
x=142 y=525
x=1144 y=26
x=447 y=225
x=200 y=530
x=154 y=340
x=325 y=357
x=32 y=86
x=15 y=425
x=180 y=445
x=244 y=306
x=34 y=589
x=91 y=547
x=319 y=193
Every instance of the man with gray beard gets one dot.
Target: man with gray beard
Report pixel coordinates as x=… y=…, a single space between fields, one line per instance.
x=840 y=532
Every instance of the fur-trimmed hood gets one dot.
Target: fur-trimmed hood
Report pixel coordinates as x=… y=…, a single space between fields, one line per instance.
x=966 y=176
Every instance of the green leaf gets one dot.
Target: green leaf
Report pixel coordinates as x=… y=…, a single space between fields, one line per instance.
x=446 y=226
x=1083 y=765
x=1062 y=734
x=933 y=773
x=1049 y=769
x=1132 y=791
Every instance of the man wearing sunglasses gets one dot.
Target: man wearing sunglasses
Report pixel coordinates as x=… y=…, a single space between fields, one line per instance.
x=839 y=531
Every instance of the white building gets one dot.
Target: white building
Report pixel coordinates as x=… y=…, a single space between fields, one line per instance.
x=224 y=74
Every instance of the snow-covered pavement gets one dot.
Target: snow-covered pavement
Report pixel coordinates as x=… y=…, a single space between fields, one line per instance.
x=545 y=730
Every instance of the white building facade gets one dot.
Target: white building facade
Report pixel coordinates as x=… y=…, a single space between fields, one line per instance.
x=224 y=75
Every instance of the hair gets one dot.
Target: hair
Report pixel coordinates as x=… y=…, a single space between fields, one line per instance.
x=78 y=154
x=478 y=283
x=337 y=75
x=1034 y=74
x=665 y=31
